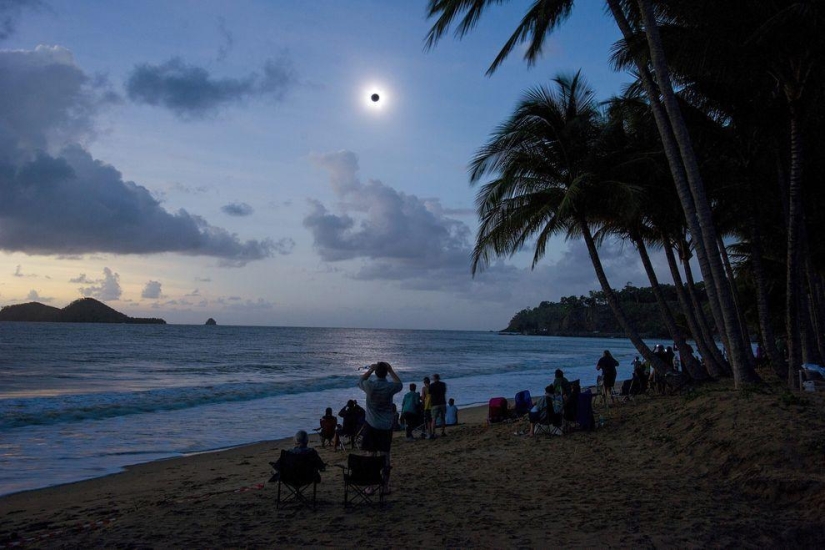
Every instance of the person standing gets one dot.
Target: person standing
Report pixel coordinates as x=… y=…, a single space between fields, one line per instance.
x=411 y=410
x=607 y=364
x=425 y=398
x=438 y=405
x=379 y=413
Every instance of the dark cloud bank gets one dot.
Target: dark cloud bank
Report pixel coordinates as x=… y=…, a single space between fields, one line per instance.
x=191 y=92
x=57 y=199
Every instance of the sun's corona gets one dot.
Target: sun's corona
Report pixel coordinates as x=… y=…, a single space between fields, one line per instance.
x=375 y=98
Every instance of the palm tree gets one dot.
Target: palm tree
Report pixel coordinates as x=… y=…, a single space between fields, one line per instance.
x=547 y=182
x=636 y=156
x=538 y=22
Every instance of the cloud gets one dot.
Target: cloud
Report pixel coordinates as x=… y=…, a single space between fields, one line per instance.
x=228 y=39
x=416 y=244
x=80 y=279
x=237 y=209
x=412 y=242
x=283 y=246
x=10 y=12
x=59 y=200
x=107 y=288
x=152 y=291
x=34 y=296
x=18 y=272
x=401 y=235
x=191 y=92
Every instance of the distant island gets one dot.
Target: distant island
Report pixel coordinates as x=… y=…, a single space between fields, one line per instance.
x=84 y=310
x=211 y=321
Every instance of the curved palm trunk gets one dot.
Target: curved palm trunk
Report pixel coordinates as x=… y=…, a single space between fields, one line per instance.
x=692 y=366
x=708 y=254
x=613 y=302
x=699 y=330
x=694 y=297
x=731 y=279
x=671 y=149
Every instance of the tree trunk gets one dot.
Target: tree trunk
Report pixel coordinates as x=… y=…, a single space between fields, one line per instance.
x=712 y=270
x=818 y=315
x=692 y=366
x=677 y=170
x=694 y=296
x=793 y=264
x=712 y=364
x=613 y=302
x=735 y=294
x=760 y=281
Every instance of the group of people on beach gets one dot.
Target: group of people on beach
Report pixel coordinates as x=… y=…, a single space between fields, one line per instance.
x=376 y=422
x=428 y=409
x=644 y=376
x=558 y=404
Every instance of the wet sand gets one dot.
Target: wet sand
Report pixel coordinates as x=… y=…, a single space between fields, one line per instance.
x=716 y=468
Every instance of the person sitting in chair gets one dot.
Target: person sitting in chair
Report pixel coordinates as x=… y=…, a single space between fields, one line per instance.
x=353 y=416
x=539 y=412
x=301 y=448
x=328 y=429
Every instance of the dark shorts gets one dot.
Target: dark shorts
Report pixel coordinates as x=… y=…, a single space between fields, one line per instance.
x=609 y=381
x=438 y=411
x=376 y=440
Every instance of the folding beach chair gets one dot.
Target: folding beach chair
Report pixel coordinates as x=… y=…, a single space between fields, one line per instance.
x=523 y=402
x=296 y=473
x=327 y=430
x=497 y=410
x=354 y=435
x=584 y=411
x=366 y=477
x=551 y=420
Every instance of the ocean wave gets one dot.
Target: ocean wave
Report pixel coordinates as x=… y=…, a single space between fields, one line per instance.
x=15 y=413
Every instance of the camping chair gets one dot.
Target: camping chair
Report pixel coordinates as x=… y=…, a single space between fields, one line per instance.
x=354 y=435
x=327 y=430
x=584 y=411
x=626 y=393
x=551 y=420
x=523 y=402
x=363 y=474
x=296 y=472
x=497 y=410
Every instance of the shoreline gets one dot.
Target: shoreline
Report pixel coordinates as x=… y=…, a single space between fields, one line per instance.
x=474 y=411
x=708 y=470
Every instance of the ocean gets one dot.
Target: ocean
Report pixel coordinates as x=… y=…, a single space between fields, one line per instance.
x=79 y=401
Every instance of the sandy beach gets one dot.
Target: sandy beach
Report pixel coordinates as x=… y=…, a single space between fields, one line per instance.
x=715 y=468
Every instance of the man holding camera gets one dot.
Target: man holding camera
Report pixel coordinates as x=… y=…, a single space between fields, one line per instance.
x=379 y=421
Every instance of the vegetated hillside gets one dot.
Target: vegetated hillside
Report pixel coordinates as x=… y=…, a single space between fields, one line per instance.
x=591 y=316
x=84 y=310
x=32 y=311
